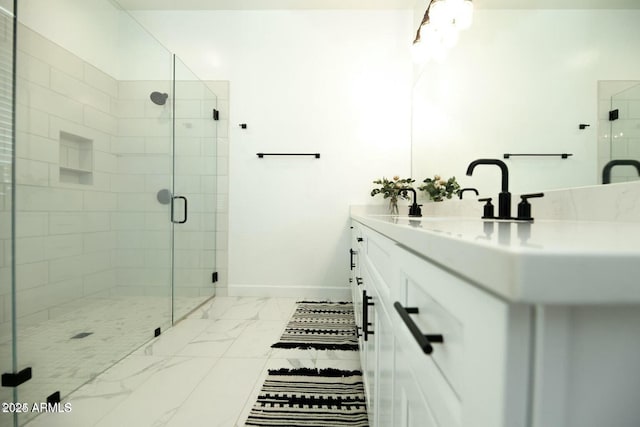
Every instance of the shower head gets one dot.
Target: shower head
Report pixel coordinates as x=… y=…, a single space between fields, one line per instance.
x=158 y=98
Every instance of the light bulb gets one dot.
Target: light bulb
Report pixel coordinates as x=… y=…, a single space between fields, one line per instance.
x=464 y=15
x=448 y=36
x=455 y=5
x=429 y=35
x=427 y=30
x=440 y=13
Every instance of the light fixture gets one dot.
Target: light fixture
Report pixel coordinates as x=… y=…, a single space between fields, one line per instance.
x=438 y=31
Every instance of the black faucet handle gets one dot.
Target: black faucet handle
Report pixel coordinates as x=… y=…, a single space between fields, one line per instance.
x=467 y=189
x=531 y=196
x=488 y=208
x=524 y=207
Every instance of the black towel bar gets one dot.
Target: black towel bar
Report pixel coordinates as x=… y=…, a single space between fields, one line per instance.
x=261 y=155
x=562 y=155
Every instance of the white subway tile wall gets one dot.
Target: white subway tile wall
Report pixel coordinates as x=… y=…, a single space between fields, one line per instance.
x=128 y=156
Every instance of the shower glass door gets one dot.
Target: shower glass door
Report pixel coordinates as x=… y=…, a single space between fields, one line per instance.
x=107 y=194
x=194 y=191
x=93 y=236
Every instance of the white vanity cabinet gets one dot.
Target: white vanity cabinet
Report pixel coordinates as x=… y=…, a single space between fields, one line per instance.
x=408 y=387
x=370 y=293
x=513 y=355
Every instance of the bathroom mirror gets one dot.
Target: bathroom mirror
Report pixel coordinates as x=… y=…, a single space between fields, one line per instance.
x=527 y=81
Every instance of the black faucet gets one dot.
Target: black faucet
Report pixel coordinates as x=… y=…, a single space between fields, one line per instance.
x=504 y=198
x=606 y=171
x=414 y=209
x=467 y=189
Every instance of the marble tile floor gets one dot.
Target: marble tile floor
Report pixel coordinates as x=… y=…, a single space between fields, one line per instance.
x=117 y=325
x=205 y=371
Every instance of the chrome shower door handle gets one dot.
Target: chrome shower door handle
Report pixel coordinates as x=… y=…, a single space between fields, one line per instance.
x=185 y=209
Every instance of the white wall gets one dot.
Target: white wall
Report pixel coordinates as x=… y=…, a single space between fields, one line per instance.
x=334 y=82
x=522 y=81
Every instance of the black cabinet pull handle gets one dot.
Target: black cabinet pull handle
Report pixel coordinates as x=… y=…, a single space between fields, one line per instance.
x=358 y=281
x=352 y=265
x=365 y=314
x=424 y=341
x=359 y=239
x=185 y=209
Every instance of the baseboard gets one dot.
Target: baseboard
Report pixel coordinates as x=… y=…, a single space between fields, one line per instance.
x=333 y=293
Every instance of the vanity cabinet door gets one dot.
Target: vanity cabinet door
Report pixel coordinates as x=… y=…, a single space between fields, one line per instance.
x=369 y=355
x=377 y=350
x=385 y=351
x=410 y=407
x=356 y=253
x=478 y=375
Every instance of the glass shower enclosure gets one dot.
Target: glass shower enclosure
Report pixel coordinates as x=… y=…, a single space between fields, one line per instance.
x=107 y=194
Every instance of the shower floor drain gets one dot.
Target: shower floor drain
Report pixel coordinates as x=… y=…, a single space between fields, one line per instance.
x=81 y=335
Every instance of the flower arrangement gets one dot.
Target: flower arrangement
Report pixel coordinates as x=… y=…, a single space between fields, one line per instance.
x=393 y=189
x=438 y=188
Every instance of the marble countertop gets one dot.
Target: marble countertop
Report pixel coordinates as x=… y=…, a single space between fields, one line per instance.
x=548 y=261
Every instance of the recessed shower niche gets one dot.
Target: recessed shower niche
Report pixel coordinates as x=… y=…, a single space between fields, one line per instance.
x=76 y=159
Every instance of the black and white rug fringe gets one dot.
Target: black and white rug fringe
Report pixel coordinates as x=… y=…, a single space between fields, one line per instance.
x=324 y=302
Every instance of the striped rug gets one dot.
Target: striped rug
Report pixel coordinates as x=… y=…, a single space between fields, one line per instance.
x=321 y=325
x=310 y=398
